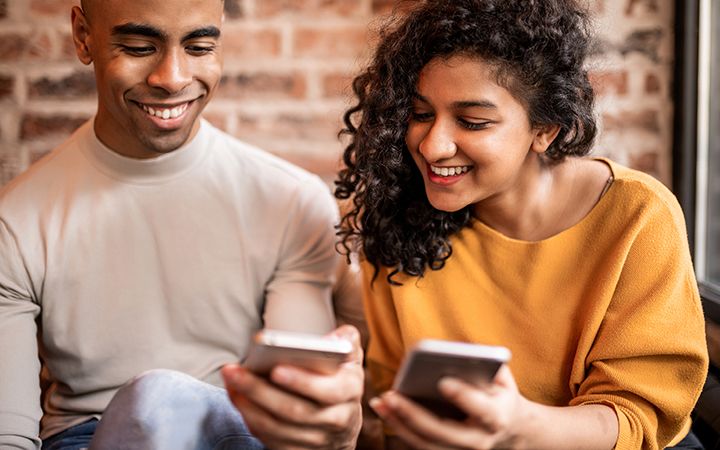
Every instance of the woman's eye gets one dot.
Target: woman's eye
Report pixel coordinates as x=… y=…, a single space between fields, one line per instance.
x=473 y=125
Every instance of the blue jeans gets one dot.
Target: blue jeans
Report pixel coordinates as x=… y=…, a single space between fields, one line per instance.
x=162 y=410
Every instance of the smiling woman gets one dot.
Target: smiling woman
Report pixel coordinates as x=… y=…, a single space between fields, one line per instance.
x=481 y=220
x=155 y=74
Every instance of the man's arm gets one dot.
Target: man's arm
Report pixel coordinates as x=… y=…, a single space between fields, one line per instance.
x=298 y=297
x=20 y=410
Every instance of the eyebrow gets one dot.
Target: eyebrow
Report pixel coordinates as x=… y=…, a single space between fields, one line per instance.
x=139 y=29
x=487 y=104
x=209 y=31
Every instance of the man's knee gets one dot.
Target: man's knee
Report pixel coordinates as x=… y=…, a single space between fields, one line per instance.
x=155 y=394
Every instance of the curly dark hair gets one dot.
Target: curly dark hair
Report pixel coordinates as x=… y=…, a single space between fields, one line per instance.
x=537 y=48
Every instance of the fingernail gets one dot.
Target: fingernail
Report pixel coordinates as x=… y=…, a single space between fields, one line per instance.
x=448 y=385
x=281 y=375
x=377 y=405
x=389 y=399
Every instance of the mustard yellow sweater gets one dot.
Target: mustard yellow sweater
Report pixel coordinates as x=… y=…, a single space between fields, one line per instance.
x=605 y=312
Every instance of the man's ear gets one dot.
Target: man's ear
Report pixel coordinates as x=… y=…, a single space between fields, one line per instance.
x=81 y=35
x=544 y=136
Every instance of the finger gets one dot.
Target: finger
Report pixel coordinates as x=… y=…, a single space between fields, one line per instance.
x=489 y=406
x=274 y=433
x=343 y=386
x=259 y=391
x=288 y=407
x=350 y=333
x=431 y=428
x=400 y=428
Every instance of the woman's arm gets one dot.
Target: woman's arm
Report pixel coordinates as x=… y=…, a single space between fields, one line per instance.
x=498 y=417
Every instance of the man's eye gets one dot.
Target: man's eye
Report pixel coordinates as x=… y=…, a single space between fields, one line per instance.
x=199 y=50
x=137 y=51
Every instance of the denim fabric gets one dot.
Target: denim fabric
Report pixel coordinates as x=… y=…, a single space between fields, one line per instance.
x=75 y=438
x=164 y=410
x=689 y=442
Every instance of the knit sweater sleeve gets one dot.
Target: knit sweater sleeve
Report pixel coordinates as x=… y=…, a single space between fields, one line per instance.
x=385 y=347
x=20 y=410
x=649 y=358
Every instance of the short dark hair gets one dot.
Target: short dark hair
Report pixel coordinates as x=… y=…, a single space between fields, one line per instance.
x=537 y=47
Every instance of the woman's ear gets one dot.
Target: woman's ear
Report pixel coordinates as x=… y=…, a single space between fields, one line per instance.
x=81 y=35
x=544 y=136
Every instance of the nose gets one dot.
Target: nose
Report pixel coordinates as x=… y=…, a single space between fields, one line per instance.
x=171 y=72
x=438 y=144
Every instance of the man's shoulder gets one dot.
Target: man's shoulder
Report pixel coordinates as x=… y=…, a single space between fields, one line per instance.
x=55 y=167
x=262 y=166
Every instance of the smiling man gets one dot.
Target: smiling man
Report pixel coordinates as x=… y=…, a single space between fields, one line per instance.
x=151 y=240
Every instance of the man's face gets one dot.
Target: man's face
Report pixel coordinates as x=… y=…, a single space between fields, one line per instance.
x=157 y=64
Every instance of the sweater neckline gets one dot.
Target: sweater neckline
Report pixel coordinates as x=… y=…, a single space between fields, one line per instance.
x=589 y=218
x=151 y=170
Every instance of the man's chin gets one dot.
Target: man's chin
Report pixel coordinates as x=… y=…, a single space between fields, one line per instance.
x=166 y=142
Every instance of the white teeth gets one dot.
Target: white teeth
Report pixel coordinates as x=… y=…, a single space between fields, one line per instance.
x=166 y=113
x=449 y=171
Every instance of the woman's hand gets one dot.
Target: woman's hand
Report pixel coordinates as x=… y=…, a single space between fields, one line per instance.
x=496 y=415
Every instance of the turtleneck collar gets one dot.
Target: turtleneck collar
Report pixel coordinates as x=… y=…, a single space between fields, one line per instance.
x=151 y=170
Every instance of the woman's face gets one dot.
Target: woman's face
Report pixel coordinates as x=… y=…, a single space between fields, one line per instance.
x=470 y=138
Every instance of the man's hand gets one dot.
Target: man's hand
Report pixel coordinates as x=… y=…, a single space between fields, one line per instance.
x=300 y=409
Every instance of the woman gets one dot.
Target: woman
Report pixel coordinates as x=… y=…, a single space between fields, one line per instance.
x=481 y=219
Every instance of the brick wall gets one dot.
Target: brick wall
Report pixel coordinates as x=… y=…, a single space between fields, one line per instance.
x=288 y=65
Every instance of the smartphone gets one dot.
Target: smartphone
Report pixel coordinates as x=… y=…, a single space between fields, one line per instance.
x=430 y=360
x=269 y=348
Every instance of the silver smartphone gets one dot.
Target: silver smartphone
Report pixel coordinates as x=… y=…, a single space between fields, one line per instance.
x=309 y=351
x=430 y=360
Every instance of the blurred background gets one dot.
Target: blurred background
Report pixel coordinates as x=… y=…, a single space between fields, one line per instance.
x=288 y=65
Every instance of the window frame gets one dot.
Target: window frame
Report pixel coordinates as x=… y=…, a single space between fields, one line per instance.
x=692 y=19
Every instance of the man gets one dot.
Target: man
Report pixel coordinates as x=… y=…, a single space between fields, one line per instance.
x=151 y=240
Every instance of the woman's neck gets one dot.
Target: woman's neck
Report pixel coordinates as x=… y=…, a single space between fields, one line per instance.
x=537 y=206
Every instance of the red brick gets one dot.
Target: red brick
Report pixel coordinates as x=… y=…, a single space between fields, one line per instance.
x=9 y=167
x=308 y=8
x=608 y=82
x=646 y=119
x=307 y=126
x=337 y=85
x=34 y=126
x=7 y=86
x=218 y=120
x=263 y=85
x=646 y=162
x=67 y=47
x=650 y=6
x=346 y=42
x=25 y=46
x=325 y=165
x=57 y=8
x=239 y=43
x=233 y=9
x=652 y=84
x=382 y=7
x=77 y=84
x=287 y=126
